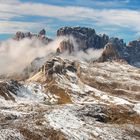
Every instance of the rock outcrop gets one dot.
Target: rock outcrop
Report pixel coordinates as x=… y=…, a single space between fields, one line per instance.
x=86 y=38
x=113 y=50
x=133 y=53
x=109 y=53
x=58 y=66
x=66 y=45
x=81 y=100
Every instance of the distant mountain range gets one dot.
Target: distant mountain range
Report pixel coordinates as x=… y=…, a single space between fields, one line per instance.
x=87 y=38
x=72 y=92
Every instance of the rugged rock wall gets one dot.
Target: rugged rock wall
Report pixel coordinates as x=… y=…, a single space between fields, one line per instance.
x=114 y=48
x=129 y=53
x=66 y=45
x=109 y=53
x=133 y=53
x=85 y=37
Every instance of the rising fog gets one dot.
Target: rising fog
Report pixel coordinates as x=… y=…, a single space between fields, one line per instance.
x=15 y=56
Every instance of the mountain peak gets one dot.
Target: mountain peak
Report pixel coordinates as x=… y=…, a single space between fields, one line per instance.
x=42 y=32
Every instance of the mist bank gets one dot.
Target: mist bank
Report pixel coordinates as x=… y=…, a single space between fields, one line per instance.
x=15 y=55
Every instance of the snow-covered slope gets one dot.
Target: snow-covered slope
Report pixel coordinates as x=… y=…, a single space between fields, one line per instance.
x=73 y=100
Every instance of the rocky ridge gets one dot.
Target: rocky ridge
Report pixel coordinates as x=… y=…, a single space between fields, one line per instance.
x=86 y=38
x=73 y=100
x=83 y=38
x=40 y=36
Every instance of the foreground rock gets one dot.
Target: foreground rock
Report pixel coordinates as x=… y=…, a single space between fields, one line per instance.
x=72 y=100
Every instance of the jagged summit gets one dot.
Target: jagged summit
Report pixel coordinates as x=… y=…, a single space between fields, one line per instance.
x=41 y=36
x=42 y=32
x=86 y=38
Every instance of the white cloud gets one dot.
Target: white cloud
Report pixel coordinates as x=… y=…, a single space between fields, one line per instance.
x=65 y=13
x=9 y=1
x=7 y=27
x=111 y=3
x=101 y=17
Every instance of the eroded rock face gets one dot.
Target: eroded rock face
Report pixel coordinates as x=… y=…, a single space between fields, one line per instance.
x=85 y=37
x=42 y=32
x=81 y=100
x=109 y=53
x=119 y=45
x=134 y=43
x=133 y=51
x=58 y=66
x=129 y=53
x=114 y=48
x=19 y=35
x=82 y=38
x=66 y=46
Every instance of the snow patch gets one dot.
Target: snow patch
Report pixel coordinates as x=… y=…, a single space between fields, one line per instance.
x=137 y=108
x=65 y=120
x=10 y=134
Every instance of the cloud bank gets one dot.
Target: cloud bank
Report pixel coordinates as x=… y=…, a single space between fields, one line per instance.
x=15 y=56
x=121 y=18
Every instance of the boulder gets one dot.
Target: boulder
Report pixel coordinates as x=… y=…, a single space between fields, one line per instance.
x=97 y=112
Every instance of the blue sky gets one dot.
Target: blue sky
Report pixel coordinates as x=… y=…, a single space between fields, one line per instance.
x=118 y=18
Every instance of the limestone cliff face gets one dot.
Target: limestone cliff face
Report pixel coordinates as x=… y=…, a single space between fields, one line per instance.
x=109 y=53
x=133 y=51
x=129 y=53
x=66 y=45
x=85 y=37
x=114 y=50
